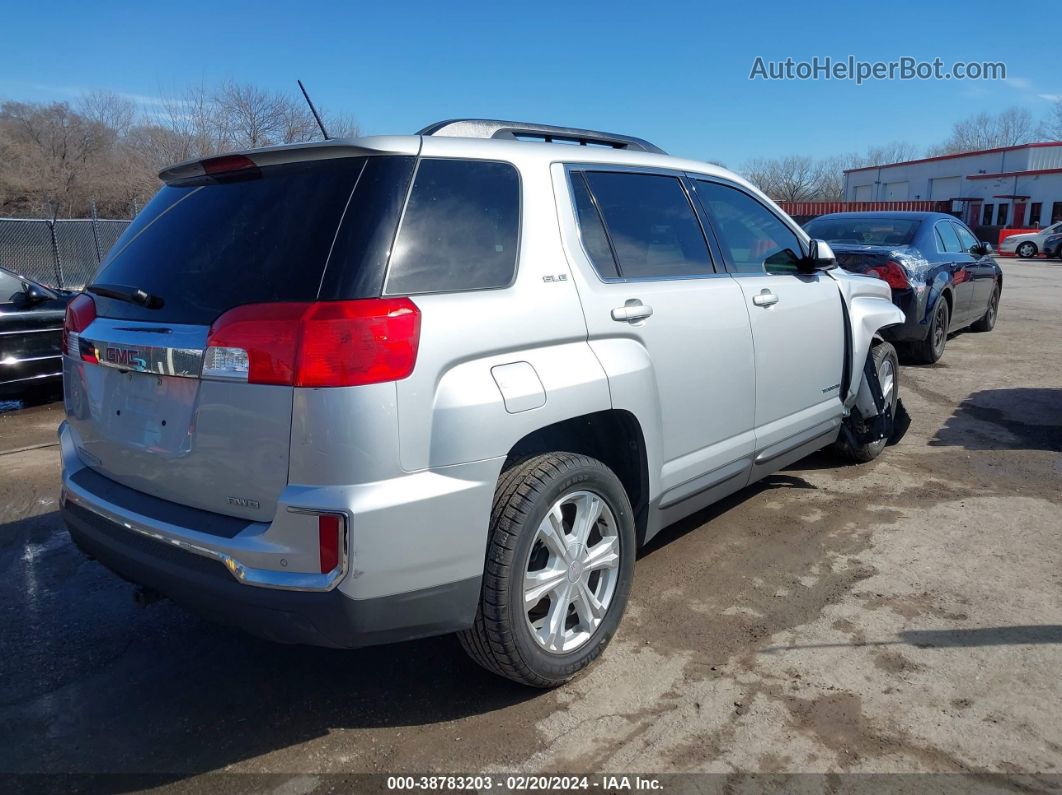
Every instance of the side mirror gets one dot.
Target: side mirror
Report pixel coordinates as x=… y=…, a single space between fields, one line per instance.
x=36 y=294
x=983 y=249
x=820 y=257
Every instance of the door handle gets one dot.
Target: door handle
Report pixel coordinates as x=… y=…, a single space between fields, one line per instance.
x=765 y=298
x=632 y=311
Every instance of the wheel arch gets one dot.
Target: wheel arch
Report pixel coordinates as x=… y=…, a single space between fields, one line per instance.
x=612 y=436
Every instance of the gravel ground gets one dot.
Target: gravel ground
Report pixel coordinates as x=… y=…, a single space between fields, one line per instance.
x=901 y=616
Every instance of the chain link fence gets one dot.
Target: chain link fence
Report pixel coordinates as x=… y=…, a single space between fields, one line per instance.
x=57 y=253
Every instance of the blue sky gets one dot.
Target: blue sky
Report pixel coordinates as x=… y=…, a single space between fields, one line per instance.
x=675 y=73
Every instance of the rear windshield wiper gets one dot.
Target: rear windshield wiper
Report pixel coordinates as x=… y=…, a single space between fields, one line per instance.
x=131 y=295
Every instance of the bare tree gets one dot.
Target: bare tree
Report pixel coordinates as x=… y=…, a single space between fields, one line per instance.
x=111 y=110
x=55 y=158
x=892 y=152
x=1009 y=127
x=789 y=178
x=1051 y=127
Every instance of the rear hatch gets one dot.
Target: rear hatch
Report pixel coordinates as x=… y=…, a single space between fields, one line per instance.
x=150 y=403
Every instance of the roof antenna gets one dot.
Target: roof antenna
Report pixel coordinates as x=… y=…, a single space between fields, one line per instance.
x=313 y=110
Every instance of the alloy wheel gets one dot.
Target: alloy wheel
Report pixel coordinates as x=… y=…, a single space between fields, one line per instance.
x=571 y=572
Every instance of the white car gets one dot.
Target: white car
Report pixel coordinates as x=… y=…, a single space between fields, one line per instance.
x=1029 y=244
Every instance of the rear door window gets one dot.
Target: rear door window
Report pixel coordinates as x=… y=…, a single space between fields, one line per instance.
x=651 y=223
x=257 y=236
x=460 y=230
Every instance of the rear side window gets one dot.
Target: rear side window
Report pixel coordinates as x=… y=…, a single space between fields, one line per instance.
x=753 y=238
x=591 y=230
x=651 y=224
x=460 y=229
x=259 y=236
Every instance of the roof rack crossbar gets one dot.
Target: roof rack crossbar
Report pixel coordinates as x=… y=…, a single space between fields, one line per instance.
x=516 y=130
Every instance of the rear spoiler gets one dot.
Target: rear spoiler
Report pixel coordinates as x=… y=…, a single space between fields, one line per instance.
x=291 y=153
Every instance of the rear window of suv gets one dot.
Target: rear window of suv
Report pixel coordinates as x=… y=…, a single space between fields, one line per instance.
x=317 y=230
x=216 y=243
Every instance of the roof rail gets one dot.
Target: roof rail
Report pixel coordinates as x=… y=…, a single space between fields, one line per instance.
x=515 y=130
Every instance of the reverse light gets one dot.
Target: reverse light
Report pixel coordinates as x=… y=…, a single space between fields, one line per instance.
x=892 y=273
x=319 y=344
x=80 y=312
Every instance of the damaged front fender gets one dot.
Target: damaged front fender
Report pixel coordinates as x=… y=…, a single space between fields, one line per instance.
x=870 y=309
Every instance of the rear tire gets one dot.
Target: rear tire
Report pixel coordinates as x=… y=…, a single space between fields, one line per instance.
x=988 y=320
x=929 y=350
x=559 y=566
x=887 y=366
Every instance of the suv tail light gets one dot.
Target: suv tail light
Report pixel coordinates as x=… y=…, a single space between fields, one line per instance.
x=80 y=312
x=320 y=344
x=892 y=273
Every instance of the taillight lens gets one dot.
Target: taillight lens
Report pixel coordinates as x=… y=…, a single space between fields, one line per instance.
x=80 y=312
x=321 y=344
x=892 y=273
x=329 y=538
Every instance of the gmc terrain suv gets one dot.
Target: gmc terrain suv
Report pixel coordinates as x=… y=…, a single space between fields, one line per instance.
x=352 y=392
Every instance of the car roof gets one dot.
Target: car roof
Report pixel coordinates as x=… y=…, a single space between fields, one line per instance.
x=520 y=153
x=900 y=214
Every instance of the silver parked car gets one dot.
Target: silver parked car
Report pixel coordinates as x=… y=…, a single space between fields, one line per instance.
x=352 y=392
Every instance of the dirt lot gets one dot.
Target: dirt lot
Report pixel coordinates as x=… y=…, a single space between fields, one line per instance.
x=900 y=616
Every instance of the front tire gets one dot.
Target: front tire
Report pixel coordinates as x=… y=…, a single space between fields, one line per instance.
x=929 y=350
x=1026 y=250
x=887 y=366
x=560 y=561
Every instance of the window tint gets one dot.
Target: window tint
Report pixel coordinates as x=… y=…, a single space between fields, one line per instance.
x=591 y=229
x=947 y=236
x=460 y=228
x=966 y=238
x=753 y=238
x=651 y=223
x=206 y=247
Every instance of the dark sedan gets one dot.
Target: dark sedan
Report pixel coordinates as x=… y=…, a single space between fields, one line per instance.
x=941 y=276
x=1053 y=247
x=31 y=327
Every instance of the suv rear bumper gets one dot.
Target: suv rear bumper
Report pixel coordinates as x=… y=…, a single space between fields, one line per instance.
x=412 y=561
x=329 y=618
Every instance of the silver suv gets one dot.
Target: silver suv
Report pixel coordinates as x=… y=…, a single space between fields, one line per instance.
x=353 y=392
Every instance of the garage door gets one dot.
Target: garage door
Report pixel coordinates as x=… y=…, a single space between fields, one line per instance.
x=896 y=191
x=945 y=188
x=864 y=193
